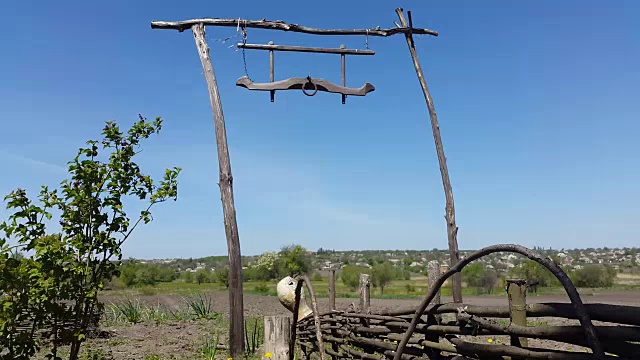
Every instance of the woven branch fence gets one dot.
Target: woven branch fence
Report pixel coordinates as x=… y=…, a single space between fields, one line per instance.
x=424 y=333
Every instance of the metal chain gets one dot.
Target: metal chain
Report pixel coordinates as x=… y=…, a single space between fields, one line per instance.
x=366 y=40
x=244 y=57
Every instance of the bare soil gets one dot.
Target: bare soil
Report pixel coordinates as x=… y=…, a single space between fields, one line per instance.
x=184 y=339
x=257 y=305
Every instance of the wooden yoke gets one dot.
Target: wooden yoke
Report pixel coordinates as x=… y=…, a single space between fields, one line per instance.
x=309 y=86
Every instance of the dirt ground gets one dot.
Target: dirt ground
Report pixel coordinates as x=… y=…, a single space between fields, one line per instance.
x=185 y=339
x=257 y=305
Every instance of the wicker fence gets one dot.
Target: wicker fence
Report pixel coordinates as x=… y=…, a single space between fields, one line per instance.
x=460 y=331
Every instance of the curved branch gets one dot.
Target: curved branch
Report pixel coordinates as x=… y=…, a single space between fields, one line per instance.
x=316 y=315
x=581 y=313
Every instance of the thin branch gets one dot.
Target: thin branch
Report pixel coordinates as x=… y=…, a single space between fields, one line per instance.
x=283 y=26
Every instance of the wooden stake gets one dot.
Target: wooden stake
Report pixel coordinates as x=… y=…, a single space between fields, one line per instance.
x=365 y=293
x=450 y=212
x=517 y=292
x=277 y=334
x=332 y=289
x=236 y=328
x=433 y=270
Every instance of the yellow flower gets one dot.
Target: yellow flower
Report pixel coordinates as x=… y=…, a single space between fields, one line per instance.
x=268 y=355
x=490 y=340
x=395 y=341
x=230 y=359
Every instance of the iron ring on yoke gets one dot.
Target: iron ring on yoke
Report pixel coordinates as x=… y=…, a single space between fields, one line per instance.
x=315 y=87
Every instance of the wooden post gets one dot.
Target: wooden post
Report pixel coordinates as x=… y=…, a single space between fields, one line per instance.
x=332 y=289
x=517 y=292
x=332 y=304
x=365 y=294
x=450 y=213
x=277 y=334
x=433 y=271
x=236 y=328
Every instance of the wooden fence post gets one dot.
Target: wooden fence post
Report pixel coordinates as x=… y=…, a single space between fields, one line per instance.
x=365 y=293
x=236 y=326
x=277 y=334
x=517 y=292
x=332 y=305
x=332 y=289
x=433 y=271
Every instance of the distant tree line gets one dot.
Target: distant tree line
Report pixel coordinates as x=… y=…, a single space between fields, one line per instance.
x=485 y=279
x=381 y=275
x=135 y=273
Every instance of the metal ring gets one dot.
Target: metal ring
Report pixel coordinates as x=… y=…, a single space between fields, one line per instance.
x=315 y=87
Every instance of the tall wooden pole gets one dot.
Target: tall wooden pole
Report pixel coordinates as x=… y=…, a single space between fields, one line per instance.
x=236 y=328
x=450 y=213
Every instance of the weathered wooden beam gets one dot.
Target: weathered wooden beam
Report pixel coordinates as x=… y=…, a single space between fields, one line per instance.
x=365 y=294
x=517 y=293
x=306 y=49
x=236 y=328
x=450 y=212
x=622 y=314
x=332 y=289
x=283 y=26
x=277 y=334
x=433 y=271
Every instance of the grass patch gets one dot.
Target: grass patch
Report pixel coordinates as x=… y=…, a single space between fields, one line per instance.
x=129 y=310
x=201 y=307
x=210 y=348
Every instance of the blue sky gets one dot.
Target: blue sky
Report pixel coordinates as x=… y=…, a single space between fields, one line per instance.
x=536 y=102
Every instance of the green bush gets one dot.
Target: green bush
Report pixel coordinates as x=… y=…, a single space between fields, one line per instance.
x=476 y=275
x=61 y=277
x=594 y=276
x=381 y=275
x=350 y=276
x=261 y=288
x=148 y=291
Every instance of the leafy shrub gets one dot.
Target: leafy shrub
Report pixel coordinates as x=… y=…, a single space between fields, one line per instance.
x=381 y=275
x=65 y=271
x=410 y=288
x=594 y=276
x=222 y=276
x=350 y=276
x=261 y=288
x=478 y=276
x=148 y=291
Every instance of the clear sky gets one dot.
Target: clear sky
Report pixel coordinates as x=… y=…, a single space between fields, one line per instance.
x=536 y=102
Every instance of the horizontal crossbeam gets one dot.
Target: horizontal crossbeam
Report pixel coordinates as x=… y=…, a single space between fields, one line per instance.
x=283 y=26
x=306 y=49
